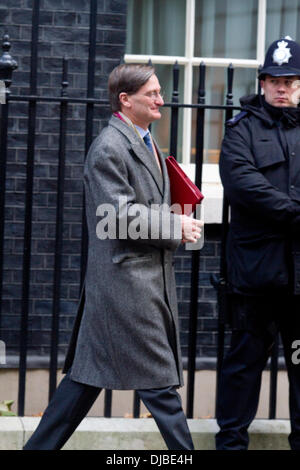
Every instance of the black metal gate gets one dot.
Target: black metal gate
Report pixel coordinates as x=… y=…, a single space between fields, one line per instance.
x=7 y=65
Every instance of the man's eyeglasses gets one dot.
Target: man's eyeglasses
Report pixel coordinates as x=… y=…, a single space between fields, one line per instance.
x=154 y=95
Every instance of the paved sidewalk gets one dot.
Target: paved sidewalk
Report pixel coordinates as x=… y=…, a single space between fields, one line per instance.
x=140 y=434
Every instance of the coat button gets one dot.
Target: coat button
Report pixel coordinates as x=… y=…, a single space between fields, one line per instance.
x=293 y=154
x=292 y=186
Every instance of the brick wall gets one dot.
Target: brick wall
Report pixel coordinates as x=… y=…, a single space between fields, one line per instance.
x=64 y=31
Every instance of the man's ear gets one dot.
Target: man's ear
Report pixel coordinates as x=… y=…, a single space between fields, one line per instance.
x=262 y=84
x=123 y=98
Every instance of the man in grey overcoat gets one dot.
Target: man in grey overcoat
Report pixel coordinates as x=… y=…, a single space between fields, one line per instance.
x=126 y=331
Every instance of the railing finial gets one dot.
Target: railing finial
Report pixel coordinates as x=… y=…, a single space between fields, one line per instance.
x=7 y=63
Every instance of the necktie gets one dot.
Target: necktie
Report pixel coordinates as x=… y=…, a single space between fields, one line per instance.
x=148 y=142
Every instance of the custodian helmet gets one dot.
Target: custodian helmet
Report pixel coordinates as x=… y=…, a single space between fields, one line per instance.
x=282 y=59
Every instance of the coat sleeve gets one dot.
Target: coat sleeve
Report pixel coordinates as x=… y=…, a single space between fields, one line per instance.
x=107 y=179
x=246 y=186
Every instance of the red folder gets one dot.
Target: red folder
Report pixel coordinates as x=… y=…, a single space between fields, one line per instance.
x=183 y=190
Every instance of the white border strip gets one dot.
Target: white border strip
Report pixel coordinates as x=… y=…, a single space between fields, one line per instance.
x=261 y=31
x=188 y=79
x=210 y=61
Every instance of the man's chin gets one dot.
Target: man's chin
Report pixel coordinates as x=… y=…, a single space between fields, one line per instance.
x=155 y=118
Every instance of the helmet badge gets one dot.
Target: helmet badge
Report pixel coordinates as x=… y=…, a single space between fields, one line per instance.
x=282 y=54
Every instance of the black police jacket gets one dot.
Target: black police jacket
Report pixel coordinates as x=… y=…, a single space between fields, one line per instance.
x=260 y=172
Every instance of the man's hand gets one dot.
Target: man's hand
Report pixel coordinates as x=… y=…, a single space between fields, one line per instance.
x=191 y=229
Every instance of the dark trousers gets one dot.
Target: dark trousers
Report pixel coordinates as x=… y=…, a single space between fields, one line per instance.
x=72 y=401
x=257 y=323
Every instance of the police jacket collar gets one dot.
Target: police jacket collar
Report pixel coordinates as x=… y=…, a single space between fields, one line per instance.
x=290 y=117
x=270 y=115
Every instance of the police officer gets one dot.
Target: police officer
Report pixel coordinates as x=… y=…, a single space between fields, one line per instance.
x=260 y=171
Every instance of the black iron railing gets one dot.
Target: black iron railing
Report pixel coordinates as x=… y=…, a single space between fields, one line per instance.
x=7 y=65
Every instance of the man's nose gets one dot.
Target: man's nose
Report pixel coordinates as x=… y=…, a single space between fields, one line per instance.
x=160 y=100
x=282 y=87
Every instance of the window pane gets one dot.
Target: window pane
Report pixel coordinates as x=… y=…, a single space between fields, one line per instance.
x=156 y=27
x=283 y=19
x=161 y=128
x=244 y=82
x=226 y=28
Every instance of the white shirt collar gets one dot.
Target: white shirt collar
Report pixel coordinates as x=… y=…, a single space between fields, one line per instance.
x=141 y=131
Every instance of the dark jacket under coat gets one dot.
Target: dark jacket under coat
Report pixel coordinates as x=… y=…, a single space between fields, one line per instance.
x=260 y=172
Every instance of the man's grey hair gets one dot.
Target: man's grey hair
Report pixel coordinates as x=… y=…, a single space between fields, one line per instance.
x=127 y=78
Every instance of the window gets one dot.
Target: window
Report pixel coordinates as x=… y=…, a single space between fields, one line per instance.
x=156 y=27
x=283 y=19
x=225 y=29
x=219 y=32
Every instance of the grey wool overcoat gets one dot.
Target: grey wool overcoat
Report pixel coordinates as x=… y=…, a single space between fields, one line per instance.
x=126 y=331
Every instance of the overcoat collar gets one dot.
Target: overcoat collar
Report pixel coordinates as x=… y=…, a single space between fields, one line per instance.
x=144 y=155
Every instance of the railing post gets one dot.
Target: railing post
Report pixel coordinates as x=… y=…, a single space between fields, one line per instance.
x=221 y=283
x=195 y=254
x=28 y=209
x=107 y=403
x=89 y=126
x=200 y=126
x=275 y=348
x=136 y=405
x=258 y=81
x=59 y=233
x=7 y=66
x=273 y=379
x=229 y=96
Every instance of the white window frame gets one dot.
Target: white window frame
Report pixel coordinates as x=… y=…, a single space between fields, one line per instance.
x=210 y=179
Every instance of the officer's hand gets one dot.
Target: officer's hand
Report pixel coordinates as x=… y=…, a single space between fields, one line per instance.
x=191 y=228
